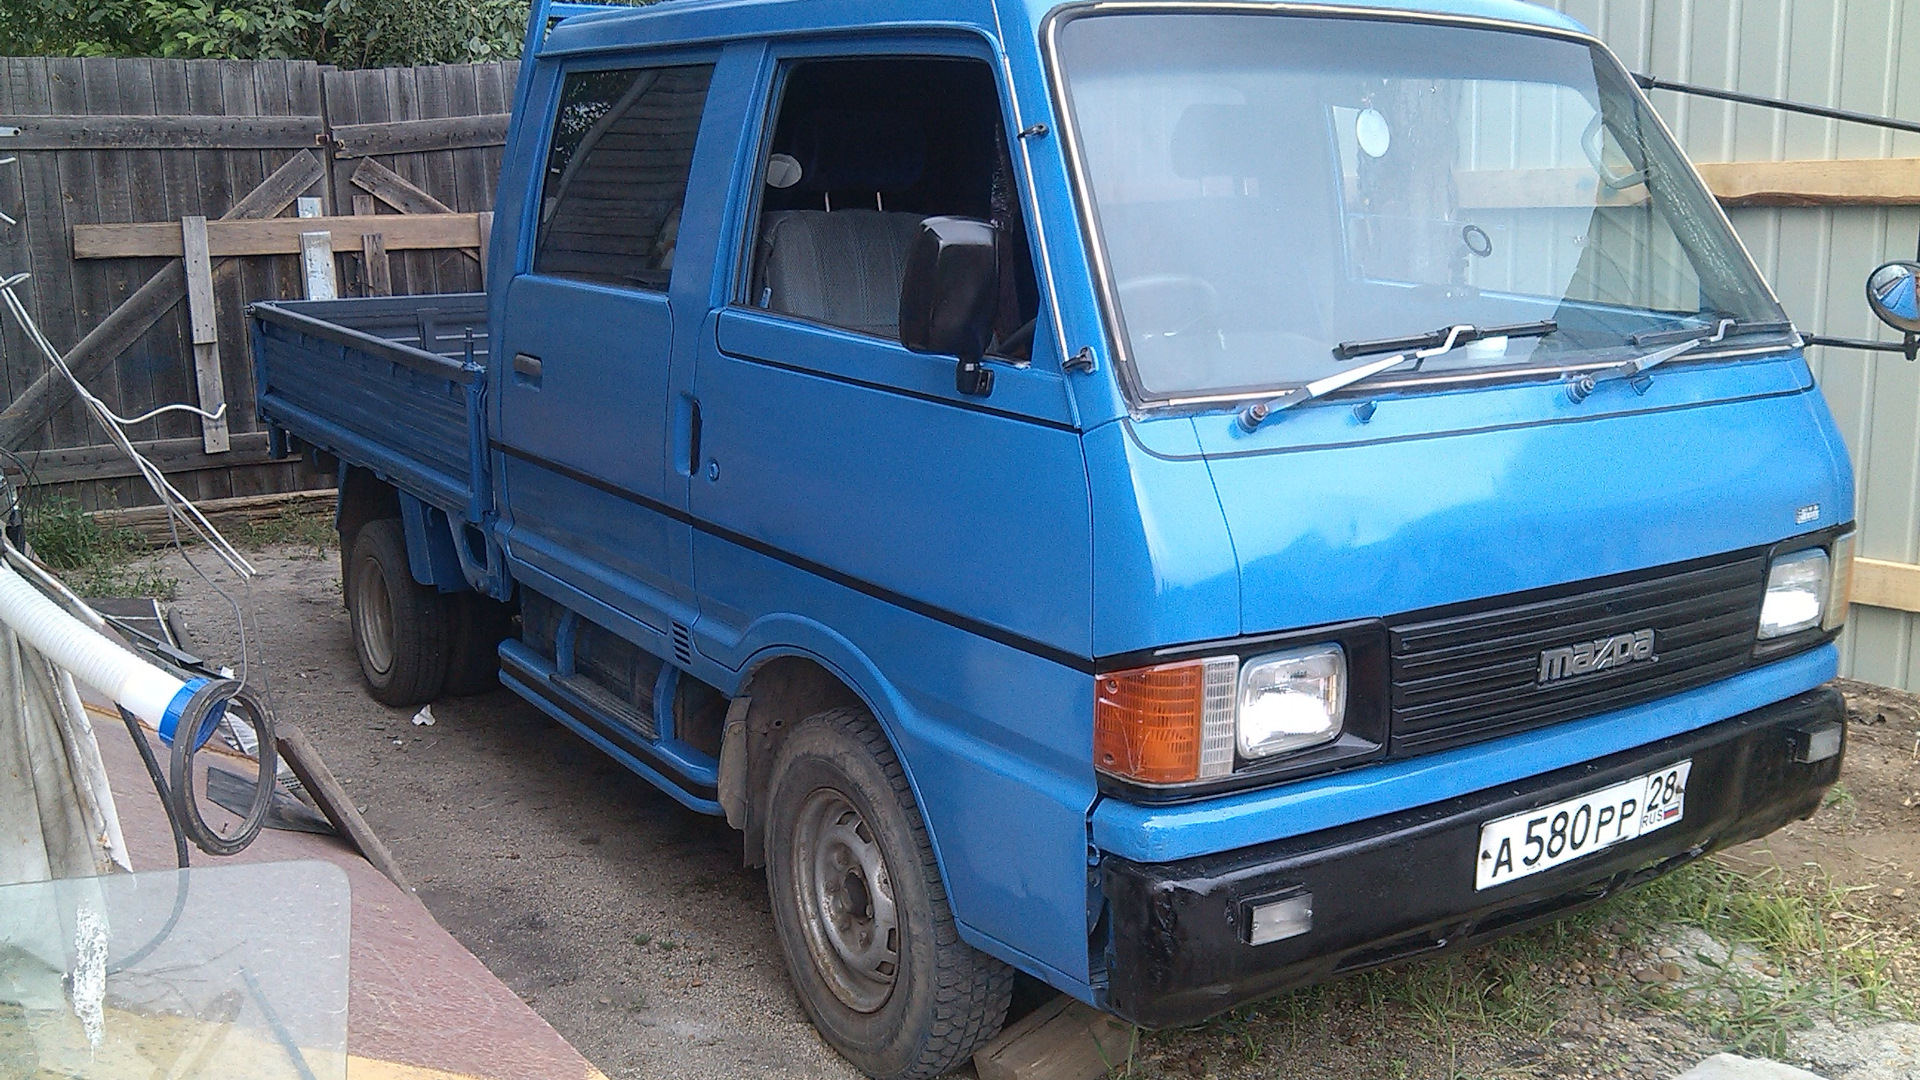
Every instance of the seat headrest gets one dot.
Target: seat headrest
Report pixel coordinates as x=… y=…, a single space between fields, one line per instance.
x=863 y=149
x=1224 y=140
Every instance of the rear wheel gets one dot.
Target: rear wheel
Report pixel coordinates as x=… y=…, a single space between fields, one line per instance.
x=399 y=625
x=476 y=625
x=862 y=915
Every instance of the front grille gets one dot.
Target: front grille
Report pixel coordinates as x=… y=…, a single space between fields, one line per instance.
x=1467 y=675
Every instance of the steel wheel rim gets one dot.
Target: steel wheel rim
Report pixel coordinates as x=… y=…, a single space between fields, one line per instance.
x=373 y=616
x=845 y=894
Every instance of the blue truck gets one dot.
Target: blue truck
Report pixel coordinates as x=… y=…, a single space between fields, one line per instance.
x=1182 y=500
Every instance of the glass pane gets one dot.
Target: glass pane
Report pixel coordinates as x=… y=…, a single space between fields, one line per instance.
x=617 y=174
x=216 y=972
x=1268 y=187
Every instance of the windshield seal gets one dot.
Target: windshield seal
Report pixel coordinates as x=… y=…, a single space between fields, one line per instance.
x=1140 y=398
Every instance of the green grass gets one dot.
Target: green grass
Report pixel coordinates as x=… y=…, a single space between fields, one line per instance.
x=93 y=560
x=290 y=526
x=1819 y=950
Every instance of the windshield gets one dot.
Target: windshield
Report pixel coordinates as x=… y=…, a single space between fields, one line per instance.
x=1267 y=187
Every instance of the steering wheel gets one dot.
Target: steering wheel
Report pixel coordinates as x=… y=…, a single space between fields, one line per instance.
x=1590 y=143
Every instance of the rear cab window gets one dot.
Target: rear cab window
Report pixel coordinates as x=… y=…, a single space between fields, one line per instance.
x=616 y=174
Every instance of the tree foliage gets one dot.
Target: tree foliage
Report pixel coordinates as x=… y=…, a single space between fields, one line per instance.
x=350 y=33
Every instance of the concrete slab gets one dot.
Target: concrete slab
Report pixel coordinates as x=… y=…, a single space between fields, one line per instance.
x=1735 y=1067
x=420 y=1006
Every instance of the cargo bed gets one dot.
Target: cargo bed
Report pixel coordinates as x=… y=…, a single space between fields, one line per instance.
x=392 y=383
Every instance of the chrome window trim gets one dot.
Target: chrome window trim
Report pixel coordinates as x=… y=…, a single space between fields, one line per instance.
x=1137 y=399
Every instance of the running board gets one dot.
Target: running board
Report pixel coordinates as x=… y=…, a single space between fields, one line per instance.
x=686 y=774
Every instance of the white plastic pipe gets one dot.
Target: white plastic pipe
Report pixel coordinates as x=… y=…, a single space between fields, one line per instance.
x=144 y=690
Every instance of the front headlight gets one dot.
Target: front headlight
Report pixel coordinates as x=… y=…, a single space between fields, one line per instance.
x=1291 y=700
x=1796 y=596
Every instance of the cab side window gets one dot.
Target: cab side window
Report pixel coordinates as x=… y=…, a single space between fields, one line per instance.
x=617 y=174
x=863 y=149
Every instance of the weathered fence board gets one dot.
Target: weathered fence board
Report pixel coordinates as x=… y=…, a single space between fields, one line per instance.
x=273 y=236
x=376 y=114
x=116 y=148
x=417 y=136
x=137 y=132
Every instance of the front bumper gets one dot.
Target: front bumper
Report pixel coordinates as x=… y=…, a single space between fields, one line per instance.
x=1402 y=885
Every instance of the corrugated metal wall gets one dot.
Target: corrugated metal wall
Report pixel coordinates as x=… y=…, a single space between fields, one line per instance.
x=1844 y=53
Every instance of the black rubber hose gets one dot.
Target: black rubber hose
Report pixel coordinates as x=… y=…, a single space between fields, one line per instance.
x=219 y=693
x=179 y=846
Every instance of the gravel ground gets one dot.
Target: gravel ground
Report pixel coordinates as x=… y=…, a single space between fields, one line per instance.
x=631 y=925
x=626 y=920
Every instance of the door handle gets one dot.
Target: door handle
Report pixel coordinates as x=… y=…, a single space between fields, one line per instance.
x=686 y=428
x=526 y=369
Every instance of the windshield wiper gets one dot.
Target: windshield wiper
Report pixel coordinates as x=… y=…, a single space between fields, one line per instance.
x=1447 y=337
x=1716 y=330
x=1440 y=341
x=1579 y=386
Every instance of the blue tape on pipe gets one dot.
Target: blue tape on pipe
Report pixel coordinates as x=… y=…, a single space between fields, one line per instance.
x=177 y=708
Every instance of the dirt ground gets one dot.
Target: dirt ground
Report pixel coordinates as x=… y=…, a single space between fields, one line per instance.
x=631 y=925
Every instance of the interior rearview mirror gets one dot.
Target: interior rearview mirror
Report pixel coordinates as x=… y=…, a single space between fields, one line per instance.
x=949 y=295
x=1890 y=293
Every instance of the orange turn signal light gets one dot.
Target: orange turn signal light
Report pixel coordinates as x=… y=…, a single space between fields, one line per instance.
x=1165 y=724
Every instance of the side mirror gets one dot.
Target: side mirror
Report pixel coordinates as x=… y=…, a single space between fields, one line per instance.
x=1890 y=293
x=949 y=295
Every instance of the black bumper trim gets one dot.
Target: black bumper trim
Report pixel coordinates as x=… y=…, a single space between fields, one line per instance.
x=1402 y=885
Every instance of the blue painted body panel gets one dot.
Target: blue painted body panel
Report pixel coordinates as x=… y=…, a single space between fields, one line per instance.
x=965 y=565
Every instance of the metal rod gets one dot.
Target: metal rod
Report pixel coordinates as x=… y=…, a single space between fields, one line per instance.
x=1651 y=82
x=1859 y=343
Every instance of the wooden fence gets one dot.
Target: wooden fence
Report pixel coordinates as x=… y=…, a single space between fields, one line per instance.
x=118 y=164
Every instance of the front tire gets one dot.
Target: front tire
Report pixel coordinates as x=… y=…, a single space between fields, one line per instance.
x=399 y=625
x=861 y=911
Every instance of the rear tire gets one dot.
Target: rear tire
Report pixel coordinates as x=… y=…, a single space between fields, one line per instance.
x=861 y=911
x=476 y=625
x=399 y=625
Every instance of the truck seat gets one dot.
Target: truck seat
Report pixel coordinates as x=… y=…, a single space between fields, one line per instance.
x=840 y=267
x=843 y=267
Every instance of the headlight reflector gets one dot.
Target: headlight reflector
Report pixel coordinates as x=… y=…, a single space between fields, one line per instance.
x=1840 y=592
x=1796 y=596
x=1291 y=700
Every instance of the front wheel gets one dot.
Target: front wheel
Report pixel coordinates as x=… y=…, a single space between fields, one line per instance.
x=861 y=912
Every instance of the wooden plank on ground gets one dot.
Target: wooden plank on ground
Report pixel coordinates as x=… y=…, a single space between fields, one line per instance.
x=1882 y=584
x=163 y=132
x=373 y=250
x=417 y=136
x=1061 y=1040
x=204 y=331
x=151 y=521
x=124 y=324
x=305 y=761
x=275 y=236
x=1842 y=182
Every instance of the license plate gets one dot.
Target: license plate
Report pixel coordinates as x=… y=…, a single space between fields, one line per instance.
x=1514 y=847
